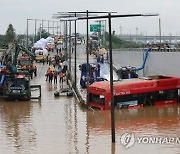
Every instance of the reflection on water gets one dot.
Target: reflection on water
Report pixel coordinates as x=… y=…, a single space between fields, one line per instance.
x=60 y=126
x=154 y=118
x=148 y=121
x=15 y=123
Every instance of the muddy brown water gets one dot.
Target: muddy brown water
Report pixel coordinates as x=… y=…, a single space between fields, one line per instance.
x=60 y=126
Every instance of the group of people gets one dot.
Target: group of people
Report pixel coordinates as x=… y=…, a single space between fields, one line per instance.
x=59 y=58
x=53 y=74
x=31 y=69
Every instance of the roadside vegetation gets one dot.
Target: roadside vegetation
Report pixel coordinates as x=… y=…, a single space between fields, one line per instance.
x=11 y=37
x=119 y=43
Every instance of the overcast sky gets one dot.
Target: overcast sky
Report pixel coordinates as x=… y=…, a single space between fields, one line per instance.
x=16 y=12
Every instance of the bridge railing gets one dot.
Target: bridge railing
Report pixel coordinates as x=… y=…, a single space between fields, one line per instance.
x=152 y=50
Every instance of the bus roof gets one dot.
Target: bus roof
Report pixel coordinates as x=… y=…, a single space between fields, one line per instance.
x=138 y=85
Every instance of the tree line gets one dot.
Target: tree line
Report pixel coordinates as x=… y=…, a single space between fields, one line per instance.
x=11 y=37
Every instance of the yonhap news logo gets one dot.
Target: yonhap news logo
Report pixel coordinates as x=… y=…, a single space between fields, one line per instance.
x=128 y=140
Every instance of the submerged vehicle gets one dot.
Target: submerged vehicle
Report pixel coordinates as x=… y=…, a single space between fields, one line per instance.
x=16 y=81
x=135 y=92
x=2 y=77
x=17 y=87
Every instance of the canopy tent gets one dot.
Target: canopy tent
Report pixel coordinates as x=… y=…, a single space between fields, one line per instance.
x=50 y=39
x=40 y=45
x=43 y=41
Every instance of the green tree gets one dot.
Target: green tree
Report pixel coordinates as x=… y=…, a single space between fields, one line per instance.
x=1 y=41
x=10 y=35
x=120 y=43
x=42 y=33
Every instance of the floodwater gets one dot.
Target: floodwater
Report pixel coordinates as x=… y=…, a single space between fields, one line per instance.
x=60 y=126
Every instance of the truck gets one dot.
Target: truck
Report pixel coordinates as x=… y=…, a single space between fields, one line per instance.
x=16 y=82
x=40 y=55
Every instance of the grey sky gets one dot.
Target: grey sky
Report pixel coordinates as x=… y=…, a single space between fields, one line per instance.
x=17 y=12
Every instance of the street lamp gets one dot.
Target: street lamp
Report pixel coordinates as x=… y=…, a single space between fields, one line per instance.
x=27 y=37
x=35 y=28
x=73 y=15
x=111 y=61
x=88 y=13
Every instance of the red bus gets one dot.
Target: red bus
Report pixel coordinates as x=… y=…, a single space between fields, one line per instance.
x=137 y=92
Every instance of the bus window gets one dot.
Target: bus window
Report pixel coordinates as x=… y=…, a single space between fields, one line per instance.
x=126 y=100
x=167 y=95
x=98 y=99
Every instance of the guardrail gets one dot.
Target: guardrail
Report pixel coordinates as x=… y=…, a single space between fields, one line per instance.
x=152 y=50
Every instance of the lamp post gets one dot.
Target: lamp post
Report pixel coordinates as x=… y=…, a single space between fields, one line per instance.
x=70 y=43
x=35 y=29
x=111 y=61
x=79 y=14
x=69 y=48
x=111 y=82
x=87 y=55
x=27 y=34
x=75 y=45
x=160 y=30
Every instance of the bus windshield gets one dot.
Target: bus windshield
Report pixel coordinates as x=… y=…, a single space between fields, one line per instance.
x=98 y=99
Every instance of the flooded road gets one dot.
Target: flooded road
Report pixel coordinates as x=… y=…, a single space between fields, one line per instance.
x=60 y=126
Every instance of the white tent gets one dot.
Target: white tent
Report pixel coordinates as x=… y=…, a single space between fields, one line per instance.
x=39 y=44
x=50 y=39
x=43 y=41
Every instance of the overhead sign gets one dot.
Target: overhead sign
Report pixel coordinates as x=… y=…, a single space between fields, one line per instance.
x=95 y=27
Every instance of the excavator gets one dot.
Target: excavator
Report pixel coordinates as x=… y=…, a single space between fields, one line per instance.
x=16 y=81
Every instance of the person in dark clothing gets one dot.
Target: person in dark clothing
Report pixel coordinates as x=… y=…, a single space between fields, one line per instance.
x=43 y=60
x=50 y=77
x=31 y=71
x=57 y=51
x=55 y=77
x=35 y=70
x=61 y=78
x=47 y=59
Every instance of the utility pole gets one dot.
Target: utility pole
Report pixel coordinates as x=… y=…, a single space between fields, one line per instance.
x=87 y=54
x=35 y=29
x=27 y=34
x=160 y=30
x=69 y=48
x=75 y=40
x=110 y=55
x=111 y=82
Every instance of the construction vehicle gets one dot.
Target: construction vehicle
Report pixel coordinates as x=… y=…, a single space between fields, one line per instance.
x=16 y=84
